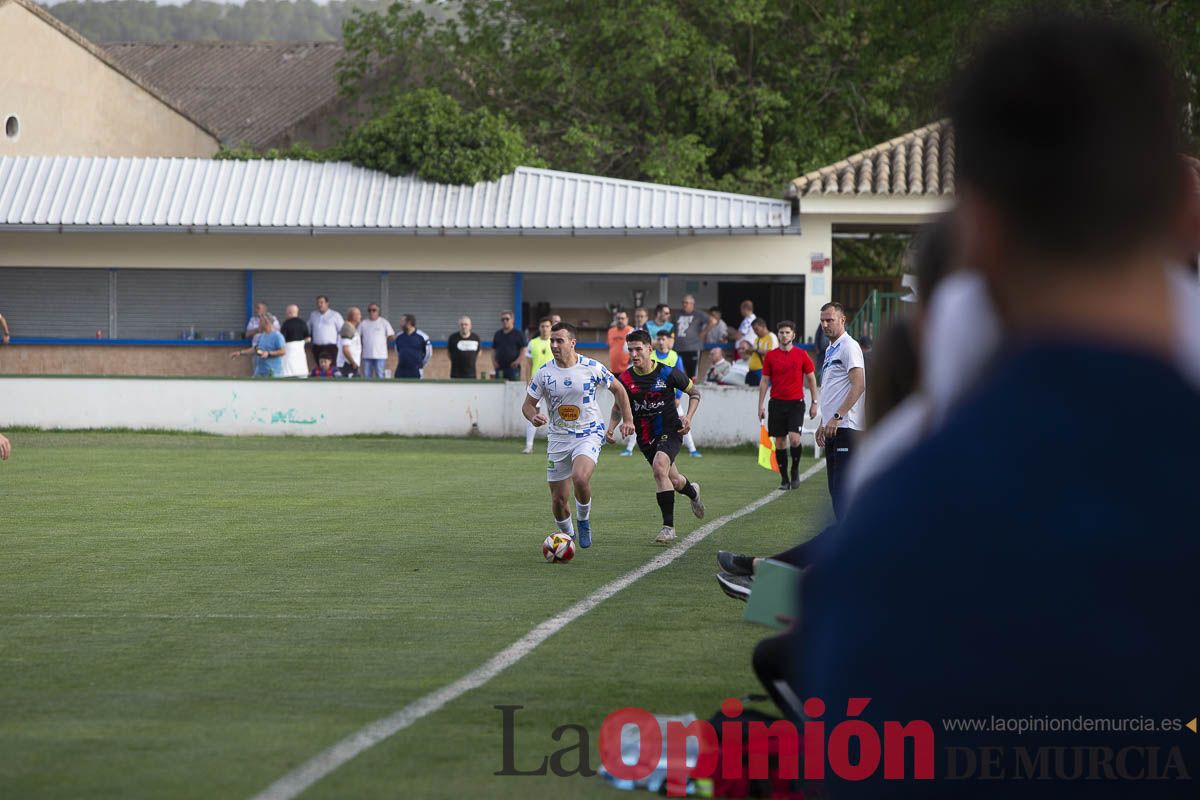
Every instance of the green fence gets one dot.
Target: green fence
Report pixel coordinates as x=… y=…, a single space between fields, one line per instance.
x=876 y=313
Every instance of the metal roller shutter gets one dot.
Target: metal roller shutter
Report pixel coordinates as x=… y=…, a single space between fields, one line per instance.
x=438 y=299
x=163 y=303
x=278 y=289
x=59 y=303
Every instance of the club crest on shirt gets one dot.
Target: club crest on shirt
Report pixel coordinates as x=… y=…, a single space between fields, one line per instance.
x=660 y=384
x=567 y=382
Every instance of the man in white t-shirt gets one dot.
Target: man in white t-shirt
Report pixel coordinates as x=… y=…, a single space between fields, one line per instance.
x=350 y=348
x=843 y=383
x=569 y=384
x=377 y=334
x=325 y=325
x=260 y=310
x=745 y=329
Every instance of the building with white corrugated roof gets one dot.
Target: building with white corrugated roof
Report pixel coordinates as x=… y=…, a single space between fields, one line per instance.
x=144 y=251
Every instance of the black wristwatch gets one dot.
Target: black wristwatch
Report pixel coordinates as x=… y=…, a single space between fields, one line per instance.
x=837 y=416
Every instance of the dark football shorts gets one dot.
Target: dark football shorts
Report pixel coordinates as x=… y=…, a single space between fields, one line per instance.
x=784 y=416
x=668 y=443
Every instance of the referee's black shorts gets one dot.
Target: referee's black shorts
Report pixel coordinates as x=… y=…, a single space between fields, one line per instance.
x=784 y=416
x=668 y=443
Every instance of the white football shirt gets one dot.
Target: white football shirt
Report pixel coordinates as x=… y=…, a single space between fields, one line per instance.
x=842 y=355
x=570 y=395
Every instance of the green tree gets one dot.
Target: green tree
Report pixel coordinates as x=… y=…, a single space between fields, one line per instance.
x=428 y=133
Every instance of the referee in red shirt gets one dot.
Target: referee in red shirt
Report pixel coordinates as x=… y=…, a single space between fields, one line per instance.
x=785 y=371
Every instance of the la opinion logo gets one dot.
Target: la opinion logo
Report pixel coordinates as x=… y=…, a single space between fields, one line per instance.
x=741 y=749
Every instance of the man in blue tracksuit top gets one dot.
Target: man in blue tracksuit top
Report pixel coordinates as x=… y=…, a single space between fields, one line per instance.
x=413 y=349
x=1035 y=561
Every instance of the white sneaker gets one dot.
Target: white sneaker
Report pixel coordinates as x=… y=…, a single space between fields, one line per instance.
x=665 y=536
x=527 y=451
x=697 y=504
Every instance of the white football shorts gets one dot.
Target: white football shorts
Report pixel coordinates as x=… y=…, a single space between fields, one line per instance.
x=562 y=455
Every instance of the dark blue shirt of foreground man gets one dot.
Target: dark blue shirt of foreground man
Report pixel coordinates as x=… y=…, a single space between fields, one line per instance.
x=1027 y=580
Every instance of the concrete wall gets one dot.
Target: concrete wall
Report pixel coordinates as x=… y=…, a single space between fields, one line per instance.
x=168 y=360
x=727 y=416
x=193 y=361
x=70 y=102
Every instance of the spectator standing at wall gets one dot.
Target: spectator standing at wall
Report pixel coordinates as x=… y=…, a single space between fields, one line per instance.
x=295 y=334
x=376 y=333
x=4 y=325
x=714 y=331
x=640 y=317
x=661 y=321
x=349 y=357
x=745 y=331
x=325 y=327
x=539 y=353
x=413 y=349
x=5 y=445
x=688 y=340
x=268 y=350
x=252 y=325
x=764 y=342
x=507 y=345
x=618 y=354
x=463 y=347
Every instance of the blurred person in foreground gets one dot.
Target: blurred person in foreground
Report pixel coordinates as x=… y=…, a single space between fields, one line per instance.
x=1013 y=565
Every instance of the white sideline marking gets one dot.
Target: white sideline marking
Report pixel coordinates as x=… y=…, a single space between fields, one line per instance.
x=325 y=762
x=197 y=615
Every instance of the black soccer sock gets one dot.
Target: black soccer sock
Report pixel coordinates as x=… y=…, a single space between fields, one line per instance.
x=795 y=462
x=688 y=490
x=781 y=454
x=666 y=502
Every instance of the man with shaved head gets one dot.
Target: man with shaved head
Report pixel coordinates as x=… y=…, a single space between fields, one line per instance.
x=295 y=334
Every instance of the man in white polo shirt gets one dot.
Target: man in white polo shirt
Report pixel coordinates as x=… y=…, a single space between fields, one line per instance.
x=843 y=383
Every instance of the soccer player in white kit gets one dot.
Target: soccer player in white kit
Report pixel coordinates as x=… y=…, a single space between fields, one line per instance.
x=569 y=385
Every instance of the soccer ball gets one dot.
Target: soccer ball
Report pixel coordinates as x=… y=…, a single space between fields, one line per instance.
x=558 y=547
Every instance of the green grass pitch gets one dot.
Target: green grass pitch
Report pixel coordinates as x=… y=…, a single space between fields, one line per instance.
x=193 y=616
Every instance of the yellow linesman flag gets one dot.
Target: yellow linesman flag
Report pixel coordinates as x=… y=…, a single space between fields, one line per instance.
x=766 y=450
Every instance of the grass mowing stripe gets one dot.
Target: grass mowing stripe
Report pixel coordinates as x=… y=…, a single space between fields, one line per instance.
x=325 y=762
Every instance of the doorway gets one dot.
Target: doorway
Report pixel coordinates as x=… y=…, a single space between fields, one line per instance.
x=774 y=300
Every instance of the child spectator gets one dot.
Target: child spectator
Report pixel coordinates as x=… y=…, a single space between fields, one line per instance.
x=323 y=369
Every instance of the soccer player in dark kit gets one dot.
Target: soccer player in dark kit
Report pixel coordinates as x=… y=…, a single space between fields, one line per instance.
x=651 y=387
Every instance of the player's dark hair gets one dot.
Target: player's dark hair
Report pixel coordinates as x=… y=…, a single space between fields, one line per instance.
x=664 y=333
x=660 y=307
x=566 y=326
x=543 y=319
x=835 y=306
x=1069 y=128
x=760 y=321
x=715 y=310
x=638 y=335
x=323 y=297
x=411 y=319
x=785 y=323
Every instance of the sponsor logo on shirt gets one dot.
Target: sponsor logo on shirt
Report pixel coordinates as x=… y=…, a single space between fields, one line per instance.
x=568 y=413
